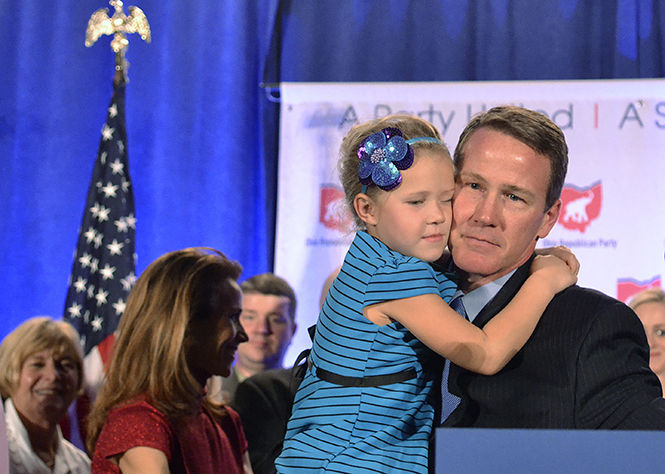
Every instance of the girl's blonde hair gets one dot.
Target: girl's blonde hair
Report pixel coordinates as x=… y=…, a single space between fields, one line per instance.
x=411 y=126
x=150 y=353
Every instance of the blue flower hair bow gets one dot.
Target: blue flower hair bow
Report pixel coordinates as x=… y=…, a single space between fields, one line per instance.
x=382 y=155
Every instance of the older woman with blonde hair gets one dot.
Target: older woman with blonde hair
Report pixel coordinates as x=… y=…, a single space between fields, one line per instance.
x=41 y=375
x=180 y=326
x=650 y=308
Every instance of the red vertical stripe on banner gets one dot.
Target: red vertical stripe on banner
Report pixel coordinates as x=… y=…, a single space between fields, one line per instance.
x=595 y=115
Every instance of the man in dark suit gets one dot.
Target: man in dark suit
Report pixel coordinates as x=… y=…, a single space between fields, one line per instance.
x=264 y=403
x=268 y=317
x=586 y=366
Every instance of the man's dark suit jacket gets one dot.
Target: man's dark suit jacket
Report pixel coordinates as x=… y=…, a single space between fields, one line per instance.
x=586 y=366
x=264 y=403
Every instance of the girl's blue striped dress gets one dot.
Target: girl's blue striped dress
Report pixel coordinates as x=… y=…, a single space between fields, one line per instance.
x=365 y=404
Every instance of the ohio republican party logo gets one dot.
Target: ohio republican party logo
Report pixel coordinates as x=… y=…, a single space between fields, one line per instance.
x=580 y=206
x=332 y=210
x=628 y=287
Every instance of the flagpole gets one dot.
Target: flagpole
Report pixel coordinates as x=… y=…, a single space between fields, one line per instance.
x=103 y=270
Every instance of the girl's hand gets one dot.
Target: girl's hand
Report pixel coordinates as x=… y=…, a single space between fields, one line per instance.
x=553 y=272
x=565 y=254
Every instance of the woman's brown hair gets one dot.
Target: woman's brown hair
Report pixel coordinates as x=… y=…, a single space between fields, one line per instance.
x=150 y=352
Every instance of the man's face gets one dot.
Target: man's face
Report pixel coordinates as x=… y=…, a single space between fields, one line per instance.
x=267 y=322
x=498 y=208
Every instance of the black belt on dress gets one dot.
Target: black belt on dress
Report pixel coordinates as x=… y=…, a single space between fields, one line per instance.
x=368 y=381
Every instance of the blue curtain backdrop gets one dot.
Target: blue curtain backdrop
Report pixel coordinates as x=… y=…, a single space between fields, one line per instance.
x=202 y=133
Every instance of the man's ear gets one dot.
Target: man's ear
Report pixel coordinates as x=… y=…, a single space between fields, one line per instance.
x=365 y=208
x=550 y=218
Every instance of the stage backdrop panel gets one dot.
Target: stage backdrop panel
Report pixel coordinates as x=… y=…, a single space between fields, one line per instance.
x=612 y=214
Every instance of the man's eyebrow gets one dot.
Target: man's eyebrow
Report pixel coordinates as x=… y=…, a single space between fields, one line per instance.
x=512 y=188
x=471 y=175
x=276 y=313
x=519 y=190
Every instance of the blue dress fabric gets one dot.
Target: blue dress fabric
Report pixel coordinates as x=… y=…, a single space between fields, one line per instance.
x=337 y=428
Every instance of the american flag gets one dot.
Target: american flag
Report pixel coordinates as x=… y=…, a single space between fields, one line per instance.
x=103 y=269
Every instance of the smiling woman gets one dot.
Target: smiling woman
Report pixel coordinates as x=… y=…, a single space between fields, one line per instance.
x=42 y=374
x=179 y=328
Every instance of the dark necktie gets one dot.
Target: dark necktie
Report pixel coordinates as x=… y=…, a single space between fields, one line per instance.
x=449 y=401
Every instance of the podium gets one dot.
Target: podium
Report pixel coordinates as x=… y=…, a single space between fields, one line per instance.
x=479 y=450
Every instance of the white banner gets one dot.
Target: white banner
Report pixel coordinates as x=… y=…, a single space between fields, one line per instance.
x=613 y=199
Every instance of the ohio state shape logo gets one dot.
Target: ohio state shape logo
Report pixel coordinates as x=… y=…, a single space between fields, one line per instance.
x=332 y=211
x=628 y=287
x=580 y=206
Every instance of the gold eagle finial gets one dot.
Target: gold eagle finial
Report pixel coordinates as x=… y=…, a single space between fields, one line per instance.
x=118 y=25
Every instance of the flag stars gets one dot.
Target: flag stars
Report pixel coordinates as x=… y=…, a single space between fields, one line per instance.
x=105 y=253
x=96 y=324
x=98 y=240
x=75 y=310
x=117 y=167
x=115 y=247
x=84 y=260
x=79 y=284
x=128 y=281
x=122 y=225
x=101 y=297
x=94 y=210
x=119 y=307
x=103 y=214
x=109 y=190
x=107 y=272
x=107 y=133
x=90 y=234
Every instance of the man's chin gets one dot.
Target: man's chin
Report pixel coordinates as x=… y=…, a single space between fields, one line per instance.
x=474 y=262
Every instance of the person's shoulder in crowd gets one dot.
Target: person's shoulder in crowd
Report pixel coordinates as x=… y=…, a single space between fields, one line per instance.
x=264 y=403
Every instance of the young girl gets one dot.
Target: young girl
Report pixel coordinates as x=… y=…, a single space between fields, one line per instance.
x=179 y=328
x=365 y=404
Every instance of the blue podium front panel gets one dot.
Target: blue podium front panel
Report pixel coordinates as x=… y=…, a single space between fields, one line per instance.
x=478 y=450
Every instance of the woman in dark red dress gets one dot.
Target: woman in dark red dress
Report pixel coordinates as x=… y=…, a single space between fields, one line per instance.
x=180 y=327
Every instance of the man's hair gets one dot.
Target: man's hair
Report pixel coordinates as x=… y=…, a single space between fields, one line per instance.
x=652 y=295
x=150 y=352
x=271 y=284
x=533 y=129
x=32 y=336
